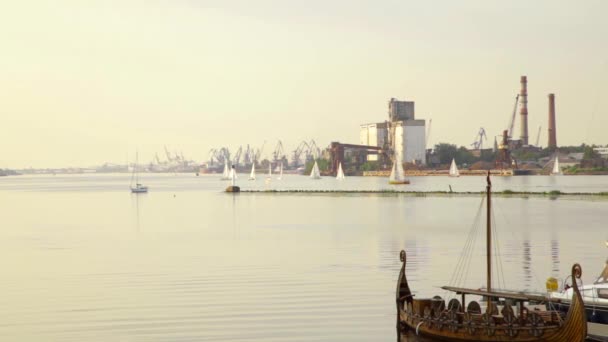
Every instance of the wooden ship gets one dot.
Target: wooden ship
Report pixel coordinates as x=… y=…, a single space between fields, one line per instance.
x=507 y=316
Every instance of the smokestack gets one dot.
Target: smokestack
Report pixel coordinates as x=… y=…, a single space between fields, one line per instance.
x=523 y=112
x=552 y=131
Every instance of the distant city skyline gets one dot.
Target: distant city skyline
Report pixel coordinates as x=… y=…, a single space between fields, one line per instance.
x=91 y=82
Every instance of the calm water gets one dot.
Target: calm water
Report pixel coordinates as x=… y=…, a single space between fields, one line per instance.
x=84 y=260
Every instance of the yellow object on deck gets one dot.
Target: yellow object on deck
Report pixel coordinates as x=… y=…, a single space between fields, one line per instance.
x=551 y=284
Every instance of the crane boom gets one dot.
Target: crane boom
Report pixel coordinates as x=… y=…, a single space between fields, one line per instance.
x=512 y=123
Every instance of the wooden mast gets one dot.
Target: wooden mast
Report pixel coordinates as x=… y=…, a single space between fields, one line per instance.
x=489 y=234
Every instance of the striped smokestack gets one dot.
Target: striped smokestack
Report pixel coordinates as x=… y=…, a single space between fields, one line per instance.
x=523 y=112
x=552 y=131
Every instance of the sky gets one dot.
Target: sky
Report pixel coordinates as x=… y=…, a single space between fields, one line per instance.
x=88 y=82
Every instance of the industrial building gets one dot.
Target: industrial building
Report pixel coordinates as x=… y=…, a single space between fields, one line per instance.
x=402 y=134
x=375 y=134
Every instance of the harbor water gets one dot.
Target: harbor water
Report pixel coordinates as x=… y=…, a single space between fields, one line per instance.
x=83 y=259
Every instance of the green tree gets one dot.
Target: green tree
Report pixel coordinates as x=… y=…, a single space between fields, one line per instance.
x=445 y=152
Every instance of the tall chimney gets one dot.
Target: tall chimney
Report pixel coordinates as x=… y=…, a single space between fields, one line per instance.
x=552 y=131
x=523 y=112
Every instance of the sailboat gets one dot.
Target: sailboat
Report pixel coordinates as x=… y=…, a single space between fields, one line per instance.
x=454 y=169
x=280 y=171
x=340 y=174
x=138 y=188
x=517 y=320
x=232 y=174
x=252 y=174
x=226 y=173
x=557 y=171
x=315 y=174
x=269 y=171
x=397 y=175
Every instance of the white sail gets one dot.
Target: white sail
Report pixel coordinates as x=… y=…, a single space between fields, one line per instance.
x=233 y=176
x=269 y=171
x=556 y=169
x=453 y=169
x=340 y=175
x=280 y=171
x=226 y=173
x=315 y=174
x=397 y=175
x=252 y=174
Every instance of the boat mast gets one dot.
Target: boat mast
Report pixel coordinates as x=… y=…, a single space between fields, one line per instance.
x=489 y=234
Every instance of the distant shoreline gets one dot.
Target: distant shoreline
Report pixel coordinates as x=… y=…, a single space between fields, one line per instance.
x=505 y=193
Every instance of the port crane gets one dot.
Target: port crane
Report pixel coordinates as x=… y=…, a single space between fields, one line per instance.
x=258 y=153
x=313 y=150
x=481 y=135
x=297 y=153
x=538 y=136
x=237 y=156
x=512 y=123
x=278 y=153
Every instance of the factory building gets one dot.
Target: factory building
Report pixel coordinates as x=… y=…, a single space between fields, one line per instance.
x=410 y=141
x=403 y=133
x=374 y=134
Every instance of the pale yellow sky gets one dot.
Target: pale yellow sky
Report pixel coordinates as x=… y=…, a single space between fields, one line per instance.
x=85 y=82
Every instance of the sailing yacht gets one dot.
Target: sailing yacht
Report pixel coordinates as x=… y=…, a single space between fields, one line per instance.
x=454 y=169
x=269 y=171
x=280 y=171
x=340 y=174
x=252 y=174
x=557 y=171
x=138 y=188
x=226 y=173
x=315 y=174
x=397 y=175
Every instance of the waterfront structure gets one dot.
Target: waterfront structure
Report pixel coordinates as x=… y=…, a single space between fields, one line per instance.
x=523 y=111
x=409 y=140
x=403 y=133
x=400 y=110
x=374 y=134
x=602 y=151
x=552 y=134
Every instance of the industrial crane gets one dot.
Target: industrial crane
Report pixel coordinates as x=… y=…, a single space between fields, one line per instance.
x=278 y=152
x=237 y=156
x=512 y=123
x=313 y=150
x=168 y=154
x=478 y=143
x=258 y=153
x=297 y=153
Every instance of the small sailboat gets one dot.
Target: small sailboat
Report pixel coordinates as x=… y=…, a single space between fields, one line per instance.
x=232 y=174
x=138 y=188
x=454 y=169
x=315 y=174
x=252 y=174
x=226 y=173
x=505 y=316
x=340 y=174
x=280 y=171
x=557 y=171
x=397 y=175
x=269 y=171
